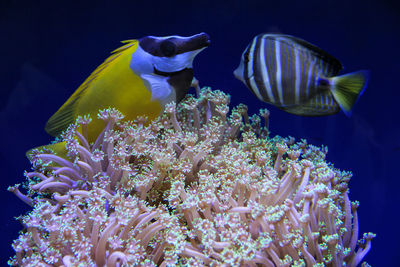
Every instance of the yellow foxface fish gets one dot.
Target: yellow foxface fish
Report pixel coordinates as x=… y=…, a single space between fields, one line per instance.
x=138 y=79
x=298 y=77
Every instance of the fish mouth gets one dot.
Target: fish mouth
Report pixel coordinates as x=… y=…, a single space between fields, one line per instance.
x=192 y=43
x=199 y=41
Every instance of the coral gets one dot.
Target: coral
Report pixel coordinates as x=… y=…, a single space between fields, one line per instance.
x=197 y=187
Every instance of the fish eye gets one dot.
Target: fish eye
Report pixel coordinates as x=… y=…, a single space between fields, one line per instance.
x=168 y=48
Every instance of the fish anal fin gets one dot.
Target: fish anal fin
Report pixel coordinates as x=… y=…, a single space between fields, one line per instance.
x=321 y=104
x=63 y=117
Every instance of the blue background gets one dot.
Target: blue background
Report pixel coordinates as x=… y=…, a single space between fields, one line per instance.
x=48 y=48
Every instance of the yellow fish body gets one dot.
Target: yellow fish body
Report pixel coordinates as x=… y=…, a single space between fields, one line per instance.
x=138 y=79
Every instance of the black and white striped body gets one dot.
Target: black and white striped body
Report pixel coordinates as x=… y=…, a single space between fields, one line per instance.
x=287 y=71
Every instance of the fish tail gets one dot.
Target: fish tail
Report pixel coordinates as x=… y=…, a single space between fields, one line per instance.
x=348 y=88
x=55 y=148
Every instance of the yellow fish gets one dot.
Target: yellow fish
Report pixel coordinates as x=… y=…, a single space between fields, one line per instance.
x=138 y=79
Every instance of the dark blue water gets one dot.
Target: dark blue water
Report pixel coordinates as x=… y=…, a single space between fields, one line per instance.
x=48 y=49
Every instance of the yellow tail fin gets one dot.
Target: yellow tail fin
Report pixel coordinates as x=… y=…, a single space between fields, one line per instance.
x=57 y=148
x=348 y=88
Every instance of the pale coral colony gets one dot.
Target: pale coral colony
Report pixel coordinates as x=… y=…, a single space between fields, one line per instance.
x=198 y=187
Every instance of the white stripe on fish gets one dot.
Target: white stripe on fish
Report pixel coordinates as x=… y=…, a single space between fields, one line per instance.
x=309 y=77
x=264 y=71
x=278 y=75
x=250 y=70
x=297 y=76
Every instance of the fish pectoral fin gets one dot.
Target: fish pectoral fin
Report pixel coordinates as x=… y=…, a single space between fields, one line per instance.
x=159 y=86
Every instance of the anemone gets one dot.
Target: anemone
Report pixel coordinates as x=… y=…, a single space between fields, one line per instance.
x=201 y=186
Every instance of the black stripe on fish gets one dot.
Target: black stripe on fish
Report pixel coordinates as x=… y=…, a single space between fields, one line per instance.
x=264 y=70
x=168 y=47
x=276 y=62
x=287 y=90
x=315 y=73
x=181 y=82
x=248 y=68
x=259 y=74
x=290 y=88
x=269 y=52
x=283 y=56
x=245 y=68
x=167 y=74
x=304 y=68
x=289 y=75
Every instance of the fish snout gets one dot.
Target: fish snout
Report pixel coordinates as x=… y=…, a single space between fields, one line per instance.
x=191 y=43
x=177 y=53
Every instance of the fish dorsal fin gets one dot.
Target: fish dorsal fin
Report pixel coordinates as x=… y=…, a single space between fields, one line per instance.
x=65 y=115
x=318 y=52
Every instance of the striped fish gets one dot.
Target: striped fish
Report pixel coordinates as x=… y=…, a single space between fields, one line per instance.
x=298 y=77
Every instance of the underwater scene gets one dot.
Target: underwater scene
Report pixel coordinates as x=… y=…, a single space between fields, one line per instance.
x=199 y=133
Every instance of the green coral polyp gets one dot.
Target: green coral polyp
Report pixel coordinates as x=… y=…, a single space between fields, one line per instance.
x=199 y=187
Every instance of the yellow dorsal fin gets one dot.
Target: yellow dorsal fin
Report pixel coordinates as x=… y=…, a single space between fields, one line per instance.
x=65 y=115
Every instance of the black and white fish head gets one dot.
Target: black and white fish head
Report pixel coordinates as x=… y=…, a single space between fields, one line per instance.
x=239 y=71
x=166 y=64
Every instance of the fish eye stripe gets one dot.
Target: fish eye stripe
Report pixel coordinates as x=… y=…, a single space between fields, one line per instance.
x=173 y=46
x=168 y=48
